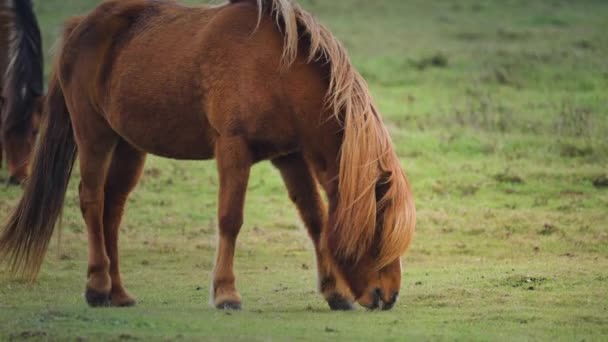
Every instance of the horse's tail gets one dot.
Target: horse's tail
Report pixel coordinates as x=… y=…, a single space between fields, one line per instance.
x=24 y=76
x=375 y=206
x=25 y=237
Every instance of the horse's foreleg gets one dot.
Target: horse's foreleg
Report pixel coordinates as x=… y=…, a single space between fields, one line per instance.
x=125 y=170
x=303 y=191
x=233 y=162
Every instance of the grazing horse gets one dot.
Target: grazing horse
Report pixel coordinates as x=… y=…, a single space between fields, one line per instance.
x=20 y=85
x=243 y=82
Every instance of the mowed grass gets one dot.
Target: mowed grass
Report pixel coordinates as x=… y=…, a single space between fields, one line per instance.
x=499 y=112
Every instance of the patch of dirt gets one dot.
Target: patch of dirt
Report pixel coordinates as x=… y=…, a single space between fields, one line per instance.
x=592 y=319
x=509 y=177
x=437 y=60
x=27 y=334
x=468 y=190
x=524 y=282
x=548 y=229
x=439 y=188
x=572 y=193
x=127 y=337
x=502 y=75
x=512 y=34
x=601 y=181
x=281 y=288
x=152 y=172
x=573 y=151
x=584 y=44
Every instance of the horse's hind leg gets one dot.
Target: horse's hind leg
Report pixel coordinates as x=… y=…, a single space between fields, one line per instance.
x=125 y=170
x=303 y=191
x=96 y=142
x=234 y=162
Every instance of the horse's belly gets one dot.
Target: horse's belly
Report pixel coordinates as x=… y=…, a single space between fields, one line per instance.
x=159 y=110
x=172 y=135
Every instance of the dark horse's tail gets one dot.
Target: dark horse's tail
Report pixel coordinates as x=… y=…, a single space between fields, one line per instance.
x=25 y=237
x=24 y=76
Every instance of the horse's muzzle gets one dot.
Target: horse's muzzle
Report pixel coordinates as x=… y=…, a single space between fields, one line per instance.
x=377 y=301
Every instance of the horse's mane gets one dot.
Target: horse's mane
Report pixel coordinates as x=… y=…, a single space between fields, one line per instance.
x=23 y=78
x=375 y=205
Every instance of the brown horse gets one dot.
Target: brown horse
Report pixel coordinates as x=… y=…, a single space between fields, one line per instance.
x=242 y=82
x=20 y=85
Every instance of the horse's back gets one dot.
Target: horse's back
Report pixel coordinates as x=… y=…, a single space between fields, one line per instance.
x=127 y=61
x=195 y=73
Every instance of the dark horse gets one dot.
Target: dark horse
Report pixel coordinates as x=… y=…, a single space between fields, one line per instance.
x=242 y=82
x=20 y=85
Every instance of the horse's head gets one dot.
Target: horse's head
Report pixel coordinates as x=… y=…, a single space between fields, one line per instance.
x=368 y=251
x=18 y=141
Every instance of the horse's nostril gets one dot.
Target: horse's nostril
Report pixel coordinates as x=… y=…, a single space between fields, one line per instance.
x=376 y=298
x=389 y=305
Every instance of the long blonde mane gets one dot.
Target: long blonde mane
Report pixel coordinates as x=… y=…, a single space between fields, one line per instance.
x=367 y=158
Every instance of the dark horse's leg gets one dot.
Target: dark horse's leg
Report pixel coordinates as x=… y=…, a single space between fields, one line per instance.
x=234 y=162
x=304 y=193
x=96 y=142
x=125 y=170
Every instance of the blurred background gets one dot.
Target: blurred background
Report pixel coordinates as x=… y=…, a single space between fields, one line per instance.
x=499 y=113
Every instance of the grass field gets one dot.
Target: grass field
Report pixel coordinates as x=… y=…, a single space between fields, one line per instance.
x=499 y=112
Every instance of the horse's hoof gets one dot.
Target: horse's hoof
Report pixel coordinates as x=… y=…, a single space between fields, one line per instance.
x=339 y=303
x=97 y=299
x=122 y=301
x=231 y=306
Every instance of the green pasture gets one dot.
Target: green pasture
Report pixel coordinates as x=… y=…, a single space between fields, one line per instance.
x=499 y=112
